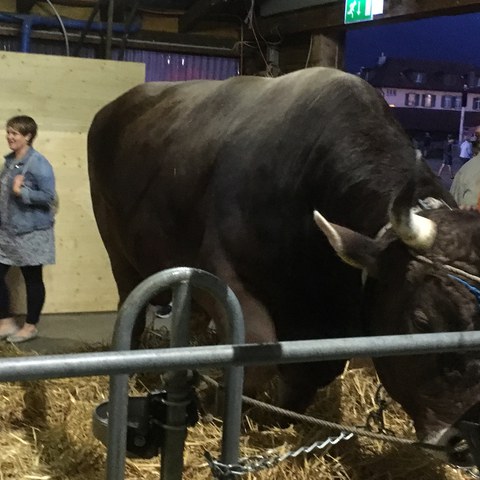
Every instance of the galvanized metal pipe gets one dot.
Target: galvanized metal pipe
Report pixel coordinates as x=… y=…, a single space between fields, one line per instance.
x=127 y=361
x=131 y=309
x=178 y=389
x=117 y=427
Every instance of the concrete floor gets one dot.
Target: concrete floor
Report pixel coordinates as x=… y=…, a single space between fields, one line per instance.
x=73 y=332
x=78 y=332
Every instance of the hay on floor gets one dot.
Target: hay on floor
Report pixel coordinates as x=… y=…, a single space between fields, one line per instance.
x=45 y=433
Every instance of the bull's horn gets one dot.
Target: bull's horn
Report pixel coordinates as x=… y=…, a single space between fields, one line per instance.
x=414 y=230
x=333 y=237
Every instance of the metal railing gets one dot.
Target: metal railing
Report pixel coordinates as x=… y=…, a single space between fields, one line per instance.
x=298 y=351
x=181 y=281
x=122 y=362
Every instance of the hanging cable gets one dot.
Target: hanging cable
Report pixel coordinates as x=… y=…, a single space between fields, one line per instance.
x=62 y=26
x=128 y=24
x=249 y=20
x=309 y=51
x=91 y=18
x=242 y=46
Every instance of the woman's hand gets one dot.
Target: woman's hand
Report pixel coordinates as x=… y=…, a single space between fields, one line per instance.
x=17 y=184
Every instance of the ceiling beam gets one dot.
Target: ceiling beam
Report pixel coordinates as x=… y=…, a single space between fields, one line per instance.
x=146 y=40
x=331 y=16
x=197 y=12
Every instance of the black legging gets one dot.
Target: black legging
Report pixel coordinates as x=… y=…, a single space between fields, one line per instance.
x=35 y=292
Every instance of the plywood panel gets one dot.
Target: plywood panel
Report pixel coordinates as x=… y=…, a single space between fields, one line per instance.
x=63 y=92
x=63 y=95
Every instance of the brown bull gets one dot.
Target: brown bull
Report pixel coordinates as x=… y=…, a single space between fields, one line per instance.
x=225 y=176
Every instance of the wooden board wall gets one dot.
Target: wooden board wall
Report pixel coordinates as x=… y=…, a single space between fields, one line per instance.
x=63 y=94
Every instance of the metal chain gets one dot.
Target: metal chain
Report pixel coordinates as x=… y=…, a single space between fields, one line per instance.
x=377 y=417
x=256 y=463
x=361 y=431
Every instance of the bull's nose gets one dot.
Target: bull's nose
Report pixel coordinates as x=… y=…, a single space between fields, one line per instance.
x=458 y=445
x=459 y=451
x=466 y=448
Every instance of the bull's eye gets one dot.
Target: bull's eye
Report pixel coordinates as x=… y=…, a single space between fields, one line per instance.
x=420 y=322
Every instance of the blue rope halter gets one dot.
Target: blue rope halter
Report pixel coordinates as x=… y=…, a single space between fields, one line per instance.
x=470 y=288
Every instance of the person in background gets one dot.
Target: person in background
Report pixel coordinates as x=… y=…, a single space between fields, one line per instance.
x=416 y=145
x=427 y=142
x=466 y=151
x=465 y=187
x=447 y=156
x=27 y=194
x=476 y=141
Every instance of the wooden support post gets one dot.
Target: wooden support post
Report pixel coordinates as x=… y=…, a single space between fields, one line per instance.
x=318 y=49
x=327 y=50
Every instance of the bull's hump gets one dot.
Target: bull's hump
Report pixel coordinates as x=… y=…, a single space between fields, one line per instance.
x=314 y=75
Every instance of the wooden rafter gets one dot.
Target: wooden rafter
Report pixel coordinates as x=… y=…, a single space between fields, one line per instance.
x=197 y=12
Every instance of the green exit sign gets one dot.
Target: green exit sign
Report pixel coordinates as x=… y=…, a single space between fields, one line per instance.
x=358 y=10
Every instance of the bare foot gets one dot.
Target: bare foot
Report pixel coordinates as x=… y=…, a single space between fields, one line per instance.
x=27 y=332
x=8 y=326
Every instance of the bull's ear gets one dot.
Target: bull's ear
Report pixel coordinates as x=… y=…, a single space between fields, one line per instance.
x=353 y=248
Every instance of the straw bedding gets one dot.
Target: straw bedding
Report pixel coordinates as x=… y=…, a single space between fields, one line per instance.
x=45 y=434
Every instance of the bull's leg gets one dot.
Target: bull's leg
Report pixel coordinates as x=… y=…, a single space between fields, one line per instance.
x=127 y=278
x=299 y=382
x=125 y=275
x=258 y=329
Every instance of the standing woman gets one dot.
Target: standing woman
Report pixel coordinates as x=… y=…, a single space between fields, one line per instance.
x=27 y=194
